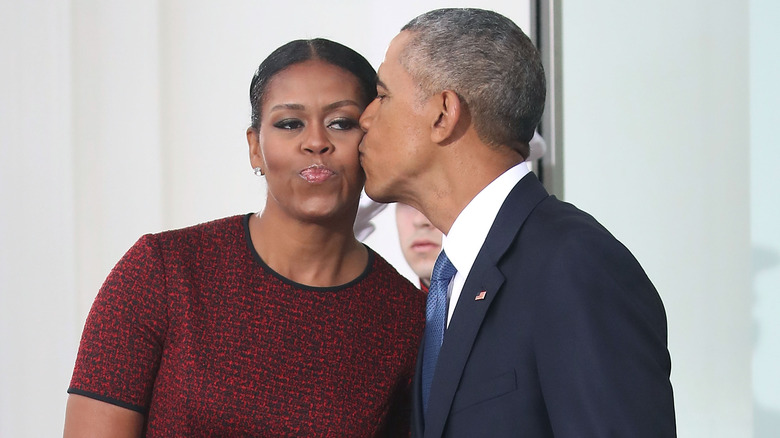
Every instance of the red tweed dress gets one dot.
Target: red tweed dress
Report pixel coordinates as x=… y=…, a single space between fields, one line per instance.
x=195 y=331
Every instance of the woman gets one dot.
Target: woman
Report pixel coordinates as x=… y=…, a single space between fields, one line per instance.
x=272 y=324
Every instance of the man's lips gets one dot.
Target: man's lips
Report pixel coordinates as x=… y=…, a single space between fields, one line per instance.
x=316 y=173
x=424 y=245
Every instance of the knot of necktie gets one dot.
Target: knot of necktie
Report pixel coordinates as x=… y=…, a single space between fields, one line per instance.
x=443 y=269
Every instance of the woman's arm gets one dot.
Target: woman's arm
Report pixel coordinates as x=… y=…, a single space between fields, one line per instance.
x=120 y=348
x=86 y=418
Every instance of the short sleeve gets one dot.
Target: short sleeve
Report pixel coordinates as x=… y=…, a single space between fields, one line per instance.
x=121 y=345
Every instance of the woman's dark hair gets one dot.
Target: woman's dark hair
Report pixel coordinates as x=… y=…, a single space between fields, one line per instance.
x=299 y=51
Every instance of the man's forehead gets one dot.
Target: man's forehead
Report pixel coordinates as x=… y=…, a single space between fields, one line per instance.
x=396 y=46
x=380 y=77
x=392 y=62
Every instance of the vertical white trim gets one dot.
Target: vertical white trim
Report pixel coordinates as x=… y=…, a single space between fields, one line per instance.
x=116 y=133
x=551 y=126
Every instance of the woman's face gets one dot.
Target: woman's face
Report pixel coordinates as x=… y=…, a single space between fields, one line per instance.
x=307 y=143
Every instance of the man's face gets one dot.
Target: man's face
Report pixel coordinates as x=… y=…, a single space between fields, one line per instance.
x=395 y=149
x=420 y=240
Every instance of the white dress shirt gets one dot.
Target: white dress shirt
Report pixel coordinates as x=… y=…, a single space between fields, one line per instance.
x=468 y=232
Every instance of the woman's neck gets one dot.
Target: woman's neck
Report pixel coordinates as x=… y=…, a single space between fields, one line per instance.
x=313 y=254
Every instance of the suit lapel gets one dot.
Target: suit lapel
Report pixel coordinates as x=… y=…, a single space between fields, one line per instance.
x=470 y=312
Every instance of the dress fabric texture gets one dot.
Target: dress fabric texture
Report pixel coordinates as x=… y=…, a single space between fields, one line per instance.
x=195 y=331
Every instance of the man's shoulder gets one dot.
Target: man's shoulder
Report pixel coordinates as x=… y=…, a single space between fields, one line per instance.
x=560 y=218
x=561 y=231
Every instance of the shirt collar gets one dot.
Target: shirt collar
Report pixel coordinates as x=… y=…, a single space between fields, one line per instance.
x=468 y=232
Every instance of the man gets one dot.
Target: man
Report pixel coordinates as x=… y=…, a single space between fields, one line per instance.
x=420 y=241
x=552 y=327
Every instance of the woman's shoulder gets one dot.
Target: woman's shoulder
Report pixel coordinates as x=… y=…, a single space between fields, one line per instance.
x=215 y=227
x=391 y=294
x=387 y=276
x=212 y=237
x=216 y=230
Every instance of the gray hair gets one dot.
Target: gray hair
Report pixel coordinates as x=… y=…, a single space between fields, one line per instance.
x=488 y=61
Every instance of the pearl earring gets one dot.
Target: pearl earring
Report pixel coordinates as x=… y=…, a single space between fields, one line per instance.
x=259 y=171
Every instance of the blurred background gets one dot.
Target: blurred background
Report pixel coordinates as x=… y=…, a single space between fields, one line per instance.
x=119 y=118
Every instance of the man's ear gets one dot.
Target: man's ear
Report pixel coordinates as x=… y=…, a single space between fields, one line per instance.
x=449 y=108
x=255 y=152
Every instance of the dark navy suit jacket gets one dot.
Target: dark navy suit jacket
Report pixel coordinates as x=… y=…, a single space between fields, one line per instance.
x=569 y=340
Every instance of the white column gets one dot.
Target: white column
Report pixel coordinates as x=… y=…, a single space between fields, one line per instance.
x=38 y=306
x=116 y=133
x=765 y=212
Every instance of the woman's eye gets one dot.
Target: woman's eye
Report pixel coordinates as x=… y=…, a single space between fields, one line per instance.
x=288 y=124
x=343 y=124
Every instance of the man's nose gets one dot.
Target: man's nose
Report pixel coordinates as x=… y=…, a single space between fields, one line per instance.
x=367 y=116
x=421 y=221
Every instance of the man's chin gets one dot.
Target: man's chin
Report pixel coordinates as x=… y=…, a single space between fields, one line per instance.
x=377 y=194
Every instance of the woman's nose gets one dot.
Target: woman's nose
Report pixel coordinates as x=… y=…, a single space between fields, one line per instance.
x=317 y=140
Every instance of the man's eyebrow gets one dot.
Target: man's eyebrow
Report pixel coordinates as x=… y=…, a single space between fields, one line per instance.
x=379 y=83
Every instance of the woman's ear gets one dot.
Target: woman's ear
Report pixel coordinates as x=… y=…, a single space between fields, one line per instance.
x=255 y=151
x=449 y=109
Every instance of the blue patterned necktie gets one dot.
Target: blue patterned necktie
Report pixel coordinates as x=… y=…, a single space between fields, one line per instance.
x=435 y=320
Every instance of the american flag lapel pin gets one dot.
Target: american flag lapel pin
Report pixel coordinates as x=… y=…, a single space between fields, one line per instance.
x=480 y=296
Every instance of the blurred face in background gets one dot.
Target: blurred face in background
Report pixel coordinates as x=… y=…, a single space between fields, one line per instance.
x=420 y=240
